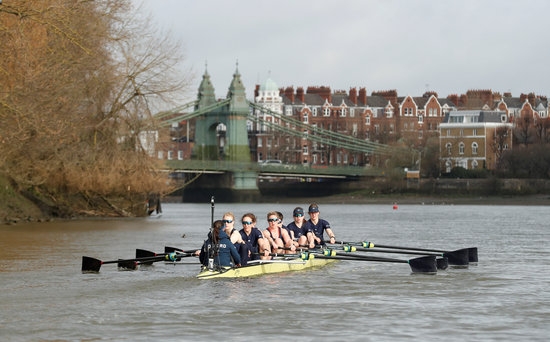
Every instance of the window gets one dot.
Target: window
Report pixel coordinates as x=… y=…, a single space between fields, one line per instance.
x=367 y=119
x=420 y=119
x=448 y=132
x=474 y=132
x=354 y=130
x=461 y=148
x=259 y=142
x=389 y=112
x=180 y=155
x=342 y=112
x=449 y=146
x=288 y=110
x=474 y=164
x=306 y=118
x=456 y=119
x=160 y=155
x=352 y=112
x=326 y=111
x=474 y=148
x=314 y=111
x=305 y=150
x=170 y=155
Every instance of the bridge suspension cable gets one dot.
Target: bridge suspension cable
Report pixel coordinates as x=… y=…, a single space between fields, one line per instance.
x=295 y=127
x=318 y=134
x=191 y=115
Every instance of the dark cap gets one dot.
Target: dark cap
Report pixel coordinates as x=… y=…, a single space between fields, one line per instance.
x=313 y=208
x=298 y=211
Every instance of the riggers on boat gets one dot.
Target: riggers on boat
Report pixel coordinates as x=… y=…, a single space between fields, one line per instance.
x=259 y=267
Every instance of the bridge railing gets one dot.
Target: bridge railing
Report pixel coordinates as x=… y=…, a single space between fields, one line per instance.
x=282 y=169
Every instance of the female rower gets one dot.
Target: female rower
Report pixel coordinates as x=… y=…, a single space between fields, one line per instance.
x=258 y=246
x=234 y=235
x=299 y=228
x=277 y=236
x=318 y=227
x=219 y=248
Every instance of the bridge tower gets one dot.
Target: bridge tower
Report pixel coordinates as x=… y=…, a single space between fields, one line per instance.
x=234 y=145
x=231 y=145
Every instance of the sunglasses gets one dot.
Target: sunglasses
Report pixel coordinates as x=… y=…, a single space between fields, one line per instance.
x=247 y=222
x=227 y=221
x=272 y=220
x=298 y=215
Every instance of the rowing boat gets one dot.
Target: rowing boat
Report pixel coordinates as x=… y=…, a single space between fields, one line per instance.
x=260 y=267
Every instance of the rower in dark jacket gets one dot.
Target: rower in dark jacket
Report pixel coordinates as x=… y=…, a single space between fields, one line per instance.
x=219 y=248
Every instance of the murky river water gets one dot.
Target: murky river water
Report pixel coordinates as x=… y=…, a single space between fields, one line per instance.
x=505 y=297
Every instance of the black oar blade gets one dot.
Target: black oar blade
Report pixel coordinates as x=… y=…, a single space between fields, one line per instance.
x=90 y=264
x=460 y=257
x=442 y=263
x=168 y=250
x=472 y=254
x=143 y=253
x=127 y=264
x=425 y=264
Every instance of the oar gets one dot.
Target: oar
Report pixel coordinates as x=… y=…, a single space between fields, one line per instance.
x=169 y=250
x=442 y=263
x=459 y=257
x=424 y=264
x=93 y=265
x=143 y=253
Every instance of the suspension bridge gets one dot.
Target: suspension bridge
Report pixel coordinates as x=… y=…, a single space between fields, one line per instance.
x=230 y=166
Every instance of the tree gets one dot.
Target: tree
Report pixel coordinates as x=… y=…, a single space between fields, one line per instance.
x=81 y=80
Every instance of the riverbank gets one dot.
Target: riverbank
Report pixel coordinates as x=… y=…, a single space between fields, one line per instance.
x=18 y=209
x=405 y=199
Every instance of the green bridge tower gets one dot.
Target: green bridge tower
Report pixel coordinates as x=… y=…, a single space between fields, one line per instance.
x=233 y=147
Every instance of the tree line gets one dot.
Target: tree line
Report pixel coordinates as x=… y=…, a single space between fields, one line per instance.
x=79 y=82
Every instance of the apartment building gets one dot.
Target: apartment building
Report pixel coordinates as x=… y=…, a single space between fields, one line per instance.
x=473 y=139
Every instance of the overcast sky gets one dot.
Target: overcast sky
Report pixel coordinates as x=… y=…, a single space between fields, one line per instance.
x=408 y=45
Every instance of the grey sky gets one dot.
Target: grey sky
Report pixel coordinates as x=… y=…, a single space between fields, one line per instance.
x=409 y=45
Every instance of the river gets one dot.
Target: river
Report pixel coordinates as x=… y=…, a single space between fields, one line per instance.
x=504 y=297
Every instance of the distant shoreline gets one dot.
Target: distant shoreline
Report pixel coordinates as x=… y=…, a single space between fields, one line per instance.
x=542 y=200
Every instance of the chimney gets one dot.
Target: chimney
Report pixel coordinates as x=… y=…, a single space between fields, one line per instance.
x=522 y=98
x=300 y=94
x=323 y=92
x=353 y=95
x=531 y=97
x=389 y=95
x=257 y=91
x=454 y=99
x=289 y=92
x=363 y=96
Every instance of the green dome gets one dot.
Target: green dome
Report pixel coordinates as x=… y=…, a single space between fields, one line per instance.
x=269 y=85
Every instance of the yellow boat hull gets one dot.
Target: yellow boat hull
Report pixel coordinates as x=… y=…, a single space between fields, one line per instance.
x=260 y=267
